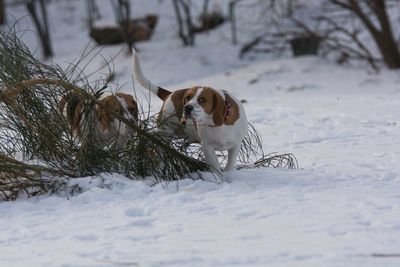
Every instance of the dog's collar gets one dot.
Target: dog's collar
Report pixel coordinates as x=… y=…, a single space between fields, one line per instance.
x=228 y=110
x=228 y=107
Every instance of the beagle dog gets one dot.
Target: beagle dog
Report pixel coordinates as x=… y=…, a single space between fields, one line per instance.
x=214 y=118
x=106 y=127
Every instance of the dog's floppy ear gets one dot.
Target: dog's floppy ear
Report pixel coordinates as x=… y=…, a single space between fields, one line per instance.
x=71 y=107
x=218 y=109
x=132 y=106
x=177 y=100
x=188 y=94
x=75 y=119
x=130 y=103
x=232 y=115
x=103 y=117
x=61 y=105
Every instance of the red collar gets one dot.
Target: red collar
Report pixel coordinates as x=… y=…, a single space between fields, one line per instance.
x=228 y=110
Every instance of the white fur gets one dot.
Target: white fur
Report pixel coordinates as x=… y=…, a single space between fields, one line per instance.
x=140 y=76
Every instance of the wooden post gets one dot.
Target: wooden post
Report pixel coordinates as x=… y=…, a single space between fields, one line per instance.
x=2 y=12
x=232 y=18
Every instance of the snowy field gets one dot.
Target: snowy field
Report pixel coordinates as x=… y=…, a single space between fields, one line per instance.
x=341 y=208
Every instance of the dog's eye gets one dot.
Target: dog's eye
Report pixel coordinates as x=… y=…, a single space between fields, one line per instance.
x=202 y=100
x=188 y=98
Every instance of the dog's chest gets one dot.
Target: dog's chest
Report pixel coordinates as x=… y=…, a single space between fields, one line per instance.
x=221 y=138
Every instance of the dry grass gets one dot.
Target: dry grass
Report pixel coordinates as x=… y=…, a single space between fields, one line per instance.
x=32 y=129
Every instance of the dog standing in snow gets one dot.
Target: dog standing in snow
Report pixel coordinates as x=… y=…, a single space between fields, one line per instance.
x=211 y=117
x=106 y=127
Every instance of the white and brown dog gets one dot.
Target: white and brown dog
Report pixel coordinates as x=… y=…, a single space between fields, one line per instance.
x=213 y=118
x=106 y=128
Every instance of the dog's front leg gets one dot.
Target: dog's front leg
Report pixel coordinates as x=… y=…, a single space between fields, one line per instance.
x=211 y=158
x=232 y=155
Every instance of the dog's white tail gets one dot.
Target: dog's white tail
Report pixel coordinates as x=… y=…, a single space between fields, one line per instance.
x=146 y=83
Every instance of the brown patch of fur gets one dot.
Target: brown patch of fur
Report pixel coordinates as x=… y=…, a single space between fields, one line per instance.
x=188 y=95
x=62 y=103
x=104 y=115
x=207 y=99
x=233 y=115
x=219 y=109
x=163 y=93
x=76 y=121
x=130 y=103
x=112 y=104
x=160 y=114
x=213 y=103
x=178 y=98
x=71 y=106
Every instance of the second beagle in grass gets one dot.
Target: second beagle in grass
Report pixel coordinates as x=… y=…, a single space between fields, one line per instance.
x=214 y=118
x=107 y=129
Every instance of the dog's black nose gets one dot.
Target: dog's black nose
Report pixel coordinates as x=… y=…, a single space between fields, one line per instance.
x=188 y=109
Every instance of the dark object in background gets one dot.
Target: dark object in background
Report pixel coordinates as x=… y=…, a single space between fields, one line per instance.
x=209 y=21
x=2 y=12
x=137 y=30
x=184 y=19
x=38 y=11
x=305 y=45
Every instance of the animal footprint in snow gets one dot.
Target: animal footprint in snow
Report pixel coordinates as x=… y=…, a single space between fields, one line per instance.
x=134 y=212
x=141 y=223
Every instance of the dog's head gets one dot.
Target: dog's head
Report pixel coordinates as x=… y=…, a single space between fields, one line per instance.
x=208 y=106
x=120 y=103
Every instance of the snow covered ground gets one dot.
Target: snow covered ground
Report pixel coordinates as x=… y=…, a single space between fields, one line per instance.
x=342 y=208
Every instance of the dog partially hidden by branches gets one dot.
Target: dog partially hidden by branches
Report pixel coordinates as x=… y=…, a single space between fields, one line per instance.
x=83 y=116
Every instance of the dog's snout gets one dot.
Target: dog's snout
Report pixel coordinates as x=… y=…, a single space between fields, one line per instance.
x=188 y=109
